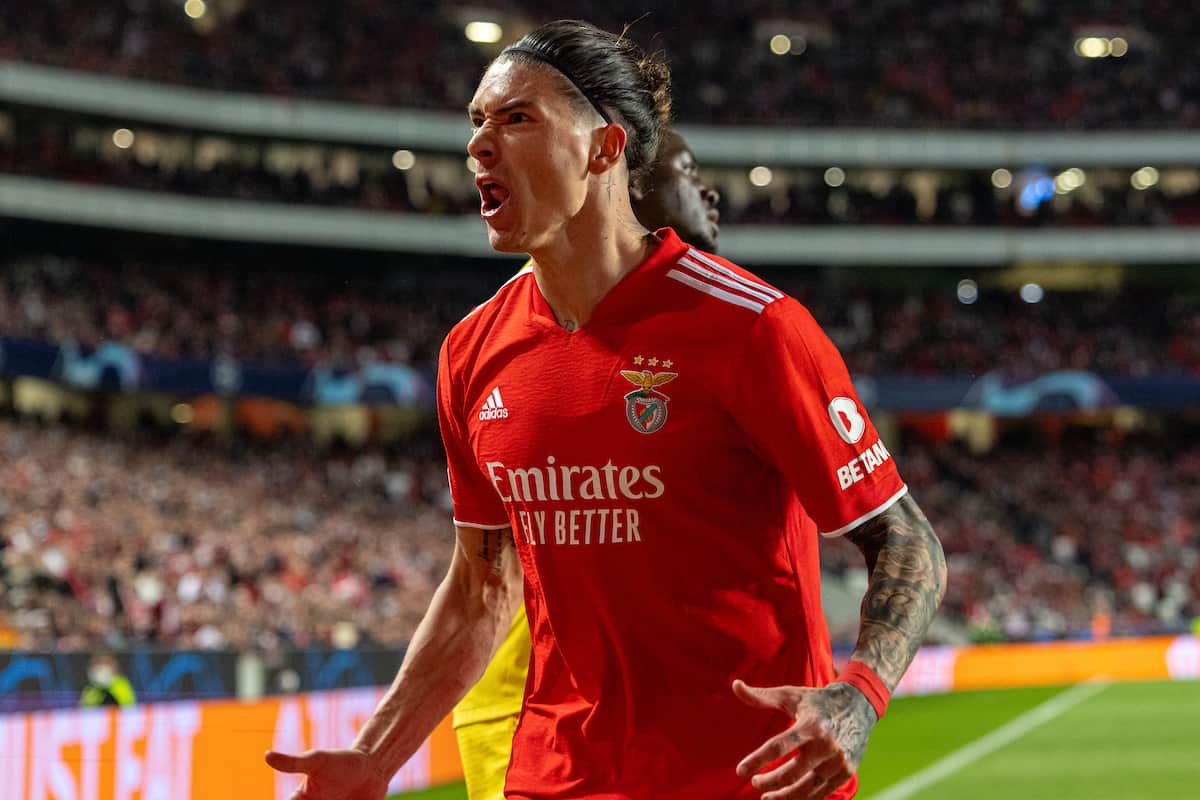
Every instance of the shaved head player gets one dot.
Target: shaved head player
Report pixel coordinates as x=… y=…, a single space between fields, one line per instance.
x=655 y=438
x=672 y=195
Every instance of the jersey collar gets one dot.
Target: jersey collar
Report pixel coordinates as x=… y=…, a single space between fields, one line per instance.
x=625 y=300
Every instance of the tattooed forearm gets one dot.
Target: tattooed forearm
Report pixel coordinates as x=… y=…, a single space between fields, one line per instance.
x=850 y=717
x=907 y=581
x=493 y=546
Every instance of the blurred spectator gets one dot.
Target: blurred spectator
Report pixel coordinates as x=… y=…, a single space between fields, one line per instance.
x=106 y=685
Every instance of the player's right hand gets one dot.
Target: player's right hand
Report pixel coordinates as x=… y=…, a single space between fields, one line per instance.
x=332 y=775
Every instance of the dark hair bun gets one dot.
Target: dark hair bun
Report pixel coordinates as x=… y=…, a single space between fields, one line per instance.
x=657 y=77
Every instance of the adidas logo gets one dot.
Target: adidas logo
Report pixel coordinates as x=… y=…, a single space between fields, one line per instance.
x=494 y=407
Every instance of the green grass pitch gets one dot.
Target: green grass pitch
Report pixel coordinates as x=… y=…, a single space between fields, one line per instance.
x=1127 y=742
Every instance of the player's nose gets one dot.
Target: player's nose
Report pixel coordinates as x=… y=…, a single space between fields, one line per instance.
x=482 y=146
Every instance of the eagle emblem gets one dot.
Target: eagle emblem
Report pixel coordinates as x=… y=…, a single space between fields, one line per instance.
x=646 y=406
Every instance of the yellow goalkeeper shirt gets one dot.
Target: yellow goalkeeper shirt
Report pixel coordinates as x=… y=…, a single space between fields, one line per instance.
x=501 y=690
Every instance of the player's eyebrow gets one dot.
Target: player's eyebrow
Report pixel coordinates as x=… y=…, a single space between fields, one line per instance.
x=475 y=111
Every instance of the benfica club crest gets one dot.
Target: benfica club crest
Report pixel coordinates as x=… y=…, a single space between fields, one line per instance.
x=646 y=407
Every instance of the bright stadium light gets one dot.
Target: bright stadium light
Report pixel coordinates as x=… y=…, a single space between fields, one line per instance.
x=1069 y=180
x=781 y=44
x=181 y=413
x=1032 y=293
x=1144 y=178
x=123 y=138
x=1001 y=178
x=1093 y=47
x=1118 y=46
x=195 y=8
x=472 y=164
x=483 y=32
x=835 y=177
x=761 y=176
x=968 y=291
x=403 y=159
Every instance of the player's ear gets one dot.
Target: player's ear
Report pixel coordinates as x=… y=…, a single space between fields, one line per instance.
x=608 y=149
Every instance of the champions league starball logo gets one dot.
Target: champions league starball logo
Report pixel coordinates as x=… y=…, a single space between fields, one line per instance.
x=646 y=407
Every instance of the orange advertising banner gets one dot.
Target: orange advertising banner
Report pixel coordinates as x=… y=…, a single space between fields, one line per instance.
x=210 y=750
x=997 y=666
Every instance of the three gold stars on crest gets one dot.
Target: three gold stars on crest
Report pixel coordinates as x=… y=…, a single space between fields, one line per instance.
x=654 y=362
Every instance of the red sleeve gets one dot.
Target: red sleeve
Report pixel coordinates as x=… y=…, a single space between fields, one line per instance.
x=476 y=503
x=793 y=397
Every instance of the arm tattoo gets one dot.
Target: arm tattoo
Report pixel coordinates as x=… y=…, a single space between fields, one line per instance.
x=492 y=548
x=850 y=718
x=908 y=578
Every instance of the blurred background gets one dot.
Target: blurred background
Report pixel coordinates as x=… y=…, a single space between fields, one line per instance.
x=233 y=234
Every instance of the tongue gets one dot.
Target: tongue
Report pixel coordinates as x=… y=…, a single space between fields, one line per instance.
x=498 y=193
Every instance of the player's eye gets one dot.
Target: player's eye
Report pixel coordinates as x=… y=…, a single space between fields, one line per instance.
x=518 y=116
x=476 y=122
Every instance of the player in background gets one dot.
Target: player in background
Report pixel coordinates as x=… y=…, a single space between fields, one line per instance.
x=662 y=436
x=672 y=195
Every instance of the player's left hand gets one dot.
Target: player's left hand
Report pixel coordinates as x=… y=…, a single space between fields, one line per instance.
x=822 y=749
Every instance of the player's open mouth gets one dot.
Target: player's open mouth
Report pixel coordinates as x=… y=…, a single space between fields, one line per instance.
x=492 y=196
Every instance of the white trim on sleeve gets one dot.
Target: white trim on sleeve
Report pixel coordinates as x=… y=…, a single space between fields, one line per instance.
x=462 y=524
x=891 y=501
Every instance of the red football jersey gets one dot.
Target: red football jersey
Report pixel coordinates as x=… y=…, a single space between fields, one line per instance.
x=665 y=470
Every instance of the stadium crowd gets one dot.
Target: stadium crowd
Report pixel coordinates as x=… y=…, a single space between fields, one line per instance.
x=171 y=540
x=252 y=313
x=1042 y=536
x=440 y=184
x=854 y=62
x=192 y=311
x=149 y=539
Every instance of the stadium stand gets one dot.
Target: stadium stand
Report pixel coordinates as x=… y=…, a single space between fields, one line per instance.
x=218 y=166
x=1090 y=522
x=197 y=309
x=161 y=539
x=853 y=63
x=164 y=540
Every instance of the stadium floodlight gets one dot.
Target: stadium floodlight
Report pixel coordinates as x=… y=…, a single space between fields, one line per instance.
x=195 y=8
x=968 y=291
x=1144 y=178
x=1001 y=178
x=1093 y=47
x=1118 y=46
x=482 y=32
x=761 y=176
x=1069 y=180
x=403 y=159
x=1032 y=293
x=123 y=138
x=781 y=44
x=835 y=177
